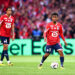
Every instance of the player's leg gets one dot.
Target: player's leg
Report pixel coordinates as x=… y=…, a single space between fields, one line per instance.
x=5 y=41
x=48 y=50
x=58 y=48
x=5 y=50
x=44 y=58
x=61 y=57
x=2 y=55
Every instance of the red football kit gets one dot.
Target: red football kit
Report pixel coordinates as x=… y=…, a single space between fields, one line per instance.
x=52 y=33
x=6 y=23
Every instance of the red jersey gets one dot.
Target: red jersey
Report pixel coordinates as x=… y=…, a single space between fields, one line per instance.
x=6 y=23
x=52 y=33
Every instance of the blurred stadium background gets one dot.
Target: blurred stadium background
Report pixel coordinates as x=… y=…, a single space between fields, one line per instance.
x=32 y=16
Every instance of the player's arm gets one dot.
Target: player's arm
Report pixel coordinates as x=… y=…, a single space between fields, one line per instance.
x=45 y=33
x=0 y=24
x=1 y=20
x=45 y=37
x=13 y=31
x=62 y=36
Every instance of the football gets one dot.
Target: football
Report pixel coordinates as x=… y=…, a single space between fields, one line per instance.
x=54 y=65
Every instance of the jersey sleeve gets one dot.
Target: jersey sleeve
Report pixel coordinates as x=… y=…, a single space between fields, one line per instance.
x=46 y=30
x=61 y=33
x=12 y=21
x=1 y=19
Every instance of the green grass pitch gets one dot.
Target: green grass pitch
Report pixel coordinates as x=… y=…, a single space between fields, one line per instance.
x=28 y=65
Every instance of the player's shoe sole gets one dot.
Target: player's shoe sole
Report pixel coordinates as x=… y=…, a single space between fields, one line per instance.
x=10 y=64
x=2 y=64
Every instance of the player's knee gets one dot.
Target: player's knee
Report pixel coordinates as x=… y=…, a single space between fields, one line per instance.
x=61 y=53
x=5 y=47
x=46 y=55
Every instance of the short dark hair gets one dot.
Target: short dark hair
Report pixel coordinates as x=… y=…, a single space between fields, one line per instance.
x=54 y=14
x=8 y=8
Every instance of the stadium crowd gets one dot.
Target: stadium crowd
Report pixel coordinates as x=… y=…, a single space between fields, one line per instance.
x=31 y=16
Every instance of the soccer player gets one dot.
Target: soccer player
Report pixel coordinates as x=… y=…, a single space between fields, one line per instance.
x=51 y=36
x=6 y=30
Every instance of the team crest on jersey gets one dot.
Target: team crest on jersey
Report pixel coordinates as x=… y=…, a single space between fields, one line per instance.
x=57 y=28
x=10 y=20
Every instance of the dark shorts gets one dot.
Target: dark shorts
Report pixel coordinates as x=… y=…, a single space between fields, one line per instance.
x=56 y=47
x=4 y=40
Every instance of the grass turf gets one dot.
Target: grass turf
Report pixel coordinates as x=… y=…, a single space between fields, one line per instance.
x=28 y=65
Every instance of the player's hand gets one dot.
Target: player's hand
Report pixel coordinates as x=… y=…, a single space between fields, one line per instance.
x=65 y=43
x=45 y=39
x=13 y=38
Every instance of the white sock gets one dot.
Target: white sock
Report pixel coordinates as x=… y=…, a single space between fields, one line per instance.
x=8 y=62
x=41 y=63
x=1 y=62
